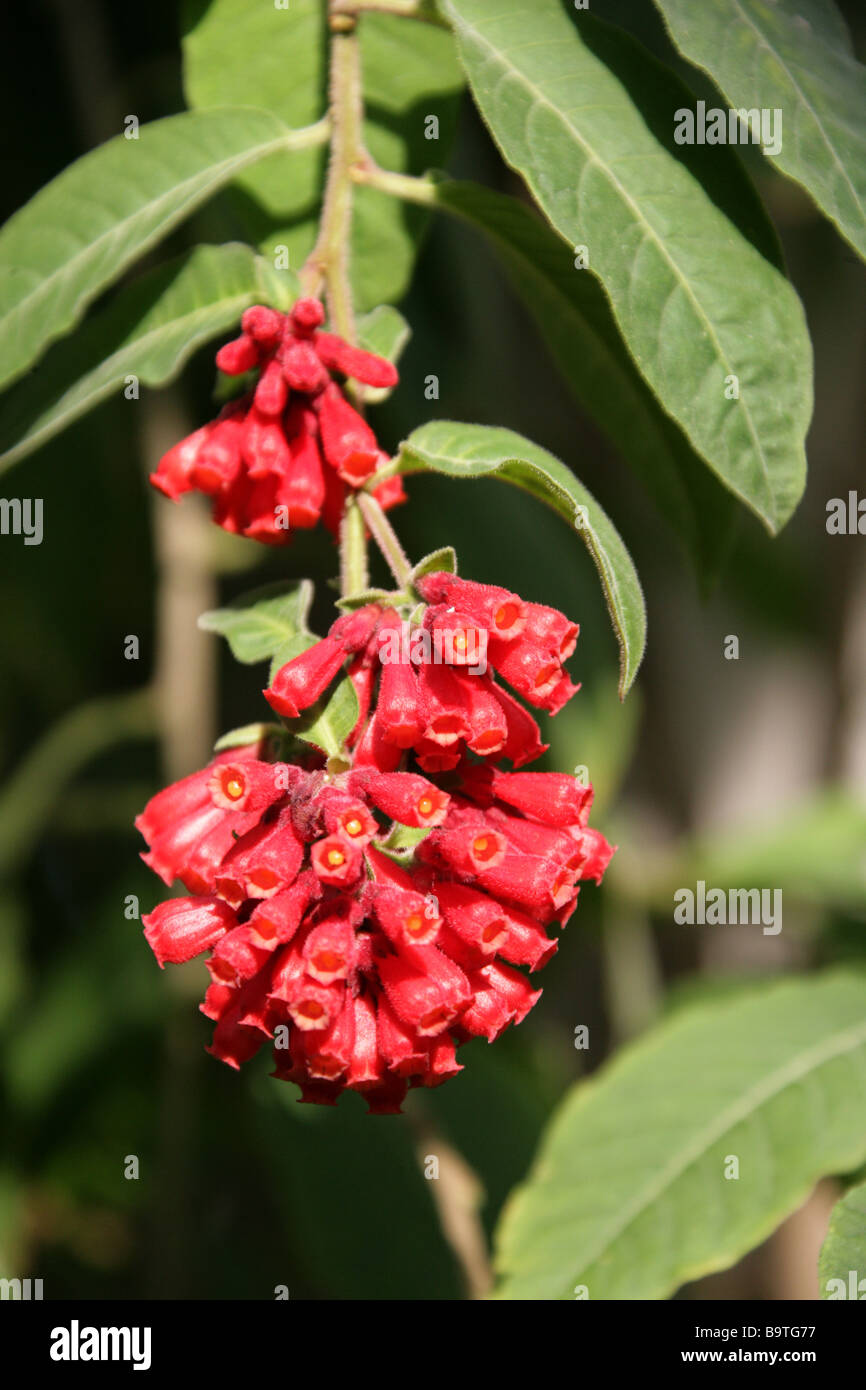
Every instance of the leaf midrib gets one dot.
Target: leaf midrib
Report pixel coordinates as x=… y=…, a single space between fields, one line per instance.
x=660 y=246
x=748 y=1105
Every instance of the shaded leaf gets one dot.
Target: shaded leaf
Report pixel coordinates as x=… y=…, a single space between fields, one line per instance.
x=574 y=316
x=81 y=231
x=628 y=1195
x=695 y=301
x=258 y=624
x=385 y=332
x=149 y=332
x=793 y=56
x=844 y=1250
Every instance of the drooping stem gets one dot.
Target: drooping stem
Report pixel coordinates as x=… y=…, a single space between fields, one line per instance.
x=354 y=575
x=385 y=537
x=328 y=262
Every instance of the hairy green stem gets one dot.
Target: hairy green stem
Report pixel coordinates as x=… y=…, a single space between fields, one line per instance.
x=406 y=186
x=354 y=575
x=385 y=537
x=328 y=262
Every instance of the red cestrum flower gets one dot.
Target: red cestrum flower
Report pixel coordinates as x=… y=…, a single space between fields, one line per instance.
x=365 y=966
x=436 y=693
x=284 y=455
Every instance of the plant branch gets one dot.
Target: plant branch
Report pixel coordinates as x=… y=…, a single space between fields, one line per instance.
x=354 y=575
x=406 y=186
x=328 y=262
x=386 y=538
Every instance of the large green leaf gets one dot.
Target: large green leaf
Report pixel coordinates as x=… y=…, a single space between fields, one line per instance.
x=150 y=330
x=844 y=1250
x=258 y=624
x=83 y=229
x=793 y=56
x=246 y=51
x=629 y=1197
x=696 y=302
x=574 y=316
x=475 y=451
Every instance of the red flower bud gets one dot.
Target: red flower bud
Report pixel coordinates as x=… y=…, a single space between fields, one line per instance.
x=306 y=315
x=339 y=356
x=264 y=326
x=272 y=390
x=425 y=989
x=240 y=355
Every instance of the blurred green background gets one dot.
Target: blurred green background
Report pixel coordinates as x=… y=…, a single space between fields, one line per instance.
x=746 y=772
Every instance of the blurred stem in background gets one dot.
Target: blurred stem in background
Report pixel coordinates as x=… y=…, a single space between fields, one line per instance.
x=185 y=681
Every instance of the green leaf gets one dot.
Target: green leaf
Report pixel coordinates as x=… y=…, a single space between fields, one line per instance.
x=258 y=624
x=150 y=330
x=84 y=228
x=329 y=722
x=628 y=1195
x=444 y=559
x=574 y=316
x=793 y=56
x=695 y=301
x=844 y=1250
x=474 y=451
x=251 y=53
x=385 y=332
x=249 y=733
x=391 y=597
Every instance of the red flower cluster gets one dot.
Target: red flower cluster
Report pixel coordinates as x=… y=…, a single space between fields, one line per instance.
x=283 y=456
x=365 y=975
x=436 y=695
x=368 y=971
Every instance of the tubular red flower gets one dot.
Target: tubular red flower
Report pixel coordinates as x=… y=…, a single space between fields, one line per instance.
x=405 y=917
x=299 y=683
x=181 y=928
x=247 y=785
x=261 y=863
x=501 y=612
x=404 y=797
x=348 y=443
x=425 y=989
